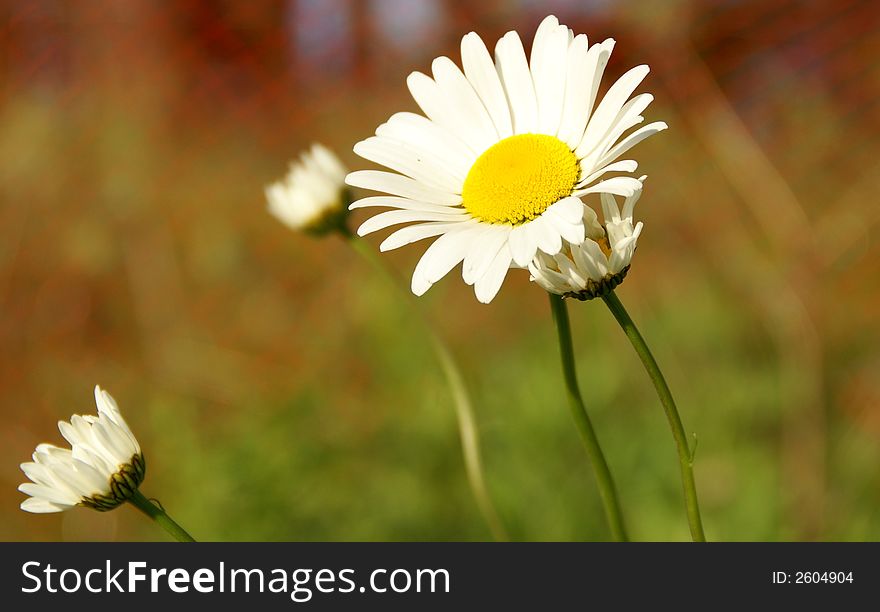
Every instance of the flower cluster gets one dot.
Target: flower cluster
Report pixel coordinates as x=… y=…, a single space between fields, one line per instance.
x=496 y=168
x=494 y=171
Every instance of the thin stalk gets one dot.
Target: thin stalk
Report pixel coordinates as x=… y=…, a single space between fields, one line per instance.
x=160 y=516
x=464 y=411
x=604 y=480
x=685 y=456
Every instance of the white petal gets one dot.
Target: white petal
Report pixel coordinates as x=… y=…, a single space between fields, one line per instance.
x=592 y=228
x=109 y=409
x=486 y=244
x=395 y=217
x=90 y=478
x=522 y=244
x=38 y=505
x=489 y=283
x=79 y=431
x=547 y=26
x=424 y=168
x=571 y=209
x=621 y=256
x=577 y=92
x=104 y=465
x=403 y=186
x=626 y=165
x=610 y=210
x=483 y=76
x=630 y=203
x=51 y=494
x=444 y=254
x=402 y=203
x=473 y=124
x=53 y=477
x=632 y=140
x=432 y=99
x=628 y=117
x=570 y=231
x=75 y=432
x=439 y=160
x=547 y=238
x=510 y=59
x=105 y=403
x=328 y=162
x=430 y=138
x=584 y=77
x=45 y=476
x=74 y=484
x=619 y=185
x=49 y=454
x=549 y=71
x=113 y=442
x=414 y=233
x=609 y=108
x=590 y=259
x=546 y=277
x=574 y=280
x=37 y=472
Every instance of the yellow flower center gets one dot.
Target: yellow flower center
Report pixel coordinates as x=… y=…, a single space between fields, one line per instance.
x=518 y=178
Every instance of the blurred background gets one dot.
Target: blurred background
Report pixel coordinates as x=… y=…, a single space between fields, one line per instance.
x=282 y=391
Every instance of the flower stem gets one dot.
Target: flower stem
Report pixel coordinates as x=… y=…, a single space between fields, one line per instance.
x=159 y=515
x=604 y=480
x=685 y=456
x=464 y=411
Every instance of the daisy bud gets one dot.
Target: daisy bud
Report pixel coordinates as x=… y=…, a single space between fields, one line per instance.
x=102 y=469
x=598 y=264
x=312 y=197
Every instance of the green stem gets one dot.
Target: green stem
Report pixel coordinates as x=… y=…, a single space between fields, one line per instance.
x=464 y=411
x=685 y=457
x=158 y=514
x=604 y=480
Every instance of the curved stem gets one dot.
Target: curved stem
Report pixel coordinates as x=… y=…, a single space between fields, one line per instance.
x=470 y=440
x=685 y=457
x=467 y=428
x=158 y=514
x=604 y=480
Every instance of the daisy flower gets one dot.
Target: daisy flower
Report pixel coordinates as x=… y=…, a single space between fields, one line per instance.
x=496 y=168
x=102 y=469
x=312 y=197
x=598 y=264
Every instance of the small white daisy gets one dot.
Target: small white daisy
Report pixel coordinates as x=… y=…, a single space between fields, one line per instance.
x=103 y=468
x=312 y=196
x=508 y=148
x=598 y=264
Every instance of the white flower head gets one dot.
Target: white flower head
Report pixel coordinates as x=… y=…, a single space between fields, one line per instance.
x=507 y=148
x=312 y=196
x=598 y=264
x=102 y=469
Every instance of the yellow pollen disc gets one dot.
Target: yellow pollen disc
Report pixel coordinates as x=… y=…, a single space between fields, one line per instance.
x=518 y=178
